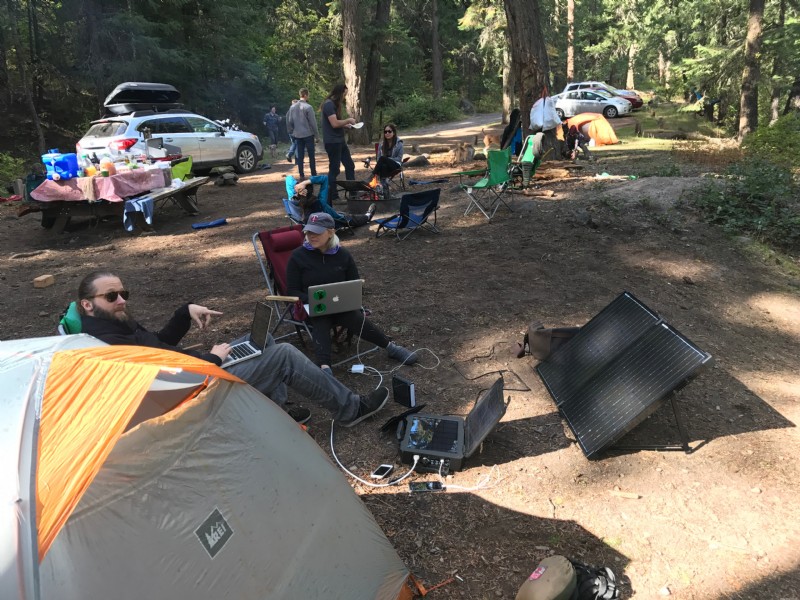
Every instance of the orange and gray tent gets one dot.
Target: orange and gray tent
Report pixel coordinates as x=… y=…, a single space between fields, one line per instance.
x=596 y=127
x=132 y=473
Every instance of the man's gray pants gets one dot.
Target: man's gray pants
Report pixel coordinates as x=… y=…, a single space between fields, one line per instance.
x=282 y=365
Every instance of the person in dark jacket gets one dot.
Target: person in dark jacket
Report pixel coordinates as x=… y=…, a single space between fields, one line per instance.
x=103 y=305
x=321 y=259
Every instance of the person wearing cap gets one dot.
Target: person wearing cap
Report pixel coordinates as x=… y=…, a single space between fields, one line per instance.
x=320 y=260
x=302 y=195
x=103 y=306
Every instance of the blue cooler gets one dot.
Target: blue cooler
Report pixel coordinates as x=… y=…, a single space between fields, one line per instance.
x=65 y=166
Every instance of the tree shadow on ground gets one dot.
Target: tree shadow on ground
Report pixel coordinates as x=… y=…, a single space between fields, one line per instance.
x=483 y=534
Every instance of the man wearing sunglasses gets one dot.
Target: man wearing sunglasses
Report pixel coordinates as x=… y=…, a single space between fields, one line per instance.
x=103 y=305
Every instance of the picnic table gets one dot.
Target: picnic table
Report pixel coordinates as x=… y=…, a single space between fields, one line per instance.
x=131 y=196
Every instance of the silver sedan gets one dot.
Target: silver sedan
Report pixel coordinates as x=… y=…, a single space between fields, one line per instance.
x=569 y=104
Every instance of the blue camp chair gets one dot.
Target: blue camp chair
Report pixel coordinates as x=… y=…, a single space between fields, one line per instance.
x=415 y=210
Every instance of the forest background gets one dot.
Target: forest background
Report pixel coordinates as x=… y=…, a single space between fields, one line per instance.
x=410 y=62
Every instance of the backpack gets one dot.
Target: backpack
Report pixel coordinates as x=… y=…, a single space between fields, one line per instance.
x=595 y=583
x=541 y=342
x=560 y=578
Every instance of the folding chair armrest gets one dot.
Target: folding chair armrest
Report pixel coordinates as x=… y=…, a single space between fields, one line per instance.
x=471 y=173
x=283 y=298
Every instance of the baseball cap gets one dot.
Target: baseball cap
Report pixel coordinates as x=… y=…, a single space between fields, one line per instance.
x=319 y=222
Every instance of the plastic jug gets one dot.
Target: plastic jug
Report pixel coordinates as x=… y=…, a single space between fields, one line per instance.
x=60 y=166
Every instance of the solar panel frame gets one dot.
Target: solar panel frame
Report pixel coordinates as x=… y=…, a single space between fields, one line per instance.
x=617 y=371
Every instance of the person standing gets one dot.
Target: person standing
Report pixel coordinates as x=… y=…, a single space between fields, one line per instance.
x=271 y=121
x=292 y=141
x=301 y=122
x=333 y=129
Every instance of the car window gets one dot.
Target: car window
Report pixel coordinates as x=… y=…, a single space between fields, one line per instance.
x=106 y=129
x=592 y=96
x=574 y=95
x=200 y=125
x=166 y=125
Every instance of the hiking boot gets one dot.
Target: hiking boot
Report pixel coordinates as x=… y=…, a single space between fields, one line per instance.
x=371 y=211
x=369 y=405
x=299 y=414
x=407 y=357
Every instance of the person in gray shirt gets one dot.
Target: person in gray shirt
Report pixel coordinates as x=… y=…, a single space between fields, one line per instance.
x=333 y=128
x=301 y=122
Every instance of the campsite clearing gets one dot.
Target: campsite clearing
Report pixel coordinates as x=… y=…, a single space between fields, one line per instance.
x=722 y=522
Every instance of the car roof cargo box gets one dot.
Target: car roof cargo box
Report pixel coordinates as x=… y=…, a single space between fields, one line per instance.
x=134 y=95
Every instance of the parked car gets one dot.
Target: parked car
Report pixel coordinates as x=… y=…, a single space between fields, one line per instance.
x=136 y=107
x=630 y=95
x=569 y=104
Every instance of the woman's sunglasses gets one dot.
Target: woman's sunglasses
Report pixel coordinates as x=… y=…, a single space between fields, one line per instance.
x=112 y=296
x=388 y=131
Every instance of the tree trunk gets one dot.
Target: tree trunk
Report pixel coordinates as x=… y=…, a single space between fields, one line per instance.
x=437 y=76
x=5 y=80
x=529 y=61
x=570 y=40
x=793 y=101
x=508 y=85
x=632 y=50
x=777 y=64
x=351 y=60
x=23 y=75
x=748 y=105
x=369 y=97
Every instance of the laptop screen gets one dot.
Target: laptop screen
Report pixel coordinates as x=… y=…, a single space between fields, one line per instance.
x=261 y=322
x=486 y=413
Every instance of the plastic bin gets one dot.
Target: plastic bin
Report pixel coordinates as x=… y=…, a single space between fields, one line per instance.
x=60 y=166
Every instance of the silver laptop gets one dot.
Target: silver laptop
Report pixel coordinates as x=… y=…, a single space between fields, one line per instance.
x=333 y=298
x=258 y=337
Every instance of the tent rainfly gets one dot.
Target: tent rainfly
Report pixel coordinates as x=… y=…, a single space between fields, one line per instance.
x=133 y=473
x=596 y=127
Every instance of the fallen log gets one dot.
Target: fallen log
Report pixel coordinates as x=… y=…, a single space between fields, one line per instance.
x=545 y=174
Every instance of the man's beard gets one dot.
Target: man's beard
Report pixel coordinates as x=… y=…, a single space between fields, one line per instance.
x=122 y=316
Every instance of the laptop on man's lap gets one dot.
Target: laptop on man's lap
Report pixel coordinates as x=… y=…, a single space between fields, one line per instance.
x=255 y=344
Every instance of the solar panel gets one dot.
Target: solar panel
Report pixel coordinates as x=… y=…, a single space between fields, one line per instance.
x=617 y=371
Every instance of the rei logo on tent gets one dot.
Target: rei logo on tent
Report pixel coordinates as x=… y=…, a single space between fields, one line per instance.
x=214 y=533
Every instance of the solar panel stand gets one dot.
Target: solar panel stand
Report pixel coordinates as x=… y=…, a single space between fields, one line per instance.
x=683 y=432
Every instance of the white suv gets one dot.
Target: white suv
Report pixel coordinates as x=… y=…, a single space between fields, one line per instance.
x=207 y=142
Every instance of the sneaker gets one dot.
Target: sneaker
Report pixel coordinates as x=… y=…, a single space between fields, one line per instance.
x=328 y=371
x=289 y=157
x=405 y=356
x=371 y=211
x=299 y=414
x=369 y=405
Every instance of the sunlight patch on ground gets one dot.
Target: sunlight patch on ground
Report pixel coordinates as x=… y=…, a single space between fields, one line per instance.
x=778 y=310
x=770 y=384
x=675 y=270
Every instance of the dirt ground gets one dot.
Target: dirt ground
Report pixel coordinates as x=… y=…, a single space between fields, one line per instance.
x=720 y=522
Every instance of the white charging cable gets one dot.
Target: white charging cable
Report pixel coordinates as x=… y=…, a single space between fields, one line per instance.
x=483 y=482
x=365 y=482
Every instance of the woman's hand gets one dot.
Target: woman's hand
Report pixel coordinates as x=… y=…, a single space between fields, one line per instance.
x=201 y=315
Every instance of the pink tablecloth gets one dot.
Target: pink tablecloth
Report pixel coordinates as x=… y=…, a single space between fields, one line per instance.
x=115 y=188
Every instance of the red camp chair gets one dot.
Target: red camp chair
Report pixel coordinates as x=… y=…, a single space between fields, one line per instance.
x=273 y=249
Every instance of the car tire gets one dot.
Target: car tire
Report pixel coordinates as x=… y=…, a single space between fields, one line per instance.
x=246 y=159
x=560 y=113
x=609 y=112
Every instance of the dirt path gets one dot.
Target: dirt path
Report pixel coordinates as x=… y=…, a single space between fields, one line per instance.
x=721 y=522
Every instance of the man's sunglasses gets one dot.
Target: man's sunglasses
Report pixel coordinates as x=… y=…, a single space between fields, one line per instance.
x=112 y=296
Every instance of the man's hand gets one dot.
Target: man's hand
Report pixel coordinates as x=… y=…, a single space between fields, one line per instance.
x=201 y=315
x=221 y=350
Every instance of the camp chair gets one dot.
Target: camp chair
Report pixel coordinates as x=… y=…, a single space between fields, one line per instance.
x=487 y=194
x=515 y=170
x=70 y=322
x=182 y=168
x=292 y=212
x=414 y=212
x=397 y=174
x=273 y=249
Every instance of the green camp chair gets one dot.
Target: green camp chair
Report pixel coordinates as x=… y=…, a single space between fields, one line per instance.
x=182 y=168
x=487 y=194
x=524 y=169
x=70 y=322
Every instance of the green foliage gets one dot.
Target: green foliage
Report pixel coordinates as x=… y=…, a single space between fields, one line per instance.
x=760 y=199
x=779 y=143
x=10 y=168
x=418 y=109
